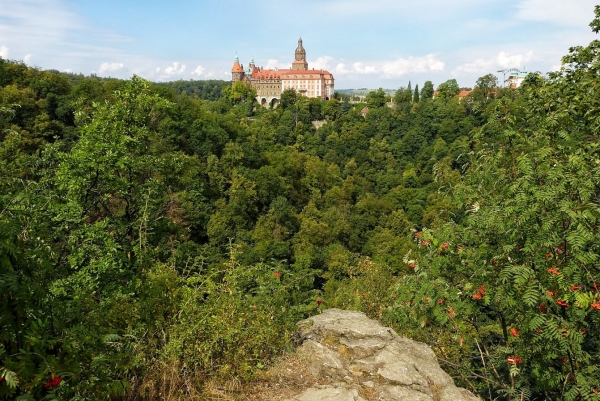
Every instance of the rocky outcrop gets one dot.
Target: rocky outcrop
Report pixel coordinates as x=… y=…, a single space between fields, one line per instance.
x=354 y=358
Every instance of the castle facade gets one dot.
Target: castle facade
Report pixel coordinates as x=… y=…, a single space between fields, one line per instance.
x=269 y=84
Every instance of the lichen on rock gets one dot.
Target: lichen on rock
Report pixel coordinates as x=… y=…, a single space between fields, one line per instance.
x=354 y=358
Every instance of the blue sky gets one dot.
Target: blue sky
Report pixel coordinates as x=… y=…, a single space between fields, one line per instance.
x=375 y=43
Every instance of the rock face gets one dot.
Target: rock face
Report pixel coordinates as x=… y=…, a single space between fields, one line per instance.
x=354 y=358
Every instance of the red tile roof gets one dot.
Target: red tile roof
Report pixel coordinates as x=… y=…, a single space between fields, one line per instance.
x=263 y=74
x=237 y=67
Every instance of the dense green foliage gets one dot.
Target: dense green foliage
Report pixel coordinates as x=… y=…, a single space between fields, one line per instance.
x=153 y=236
x=203 y=89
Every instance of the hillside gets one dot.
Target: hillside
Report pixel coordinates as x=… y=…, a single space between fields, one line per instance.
x=156 y=240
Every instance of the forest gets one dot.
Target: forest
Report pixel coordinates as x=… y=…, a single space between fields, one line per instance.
x=160 y=239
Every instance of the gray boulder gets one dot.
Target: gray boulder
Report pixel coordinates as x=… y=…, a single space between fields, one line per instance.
x=354 y=358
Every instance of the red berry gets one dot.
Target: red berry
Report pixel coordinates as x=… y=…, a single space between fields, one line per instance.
x=53 y=382
x=514 y=332
x=512 y=360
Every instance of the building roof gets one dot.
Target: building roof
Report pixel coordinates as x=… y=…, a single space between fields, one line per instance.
x=236 y=65
x=259 y=73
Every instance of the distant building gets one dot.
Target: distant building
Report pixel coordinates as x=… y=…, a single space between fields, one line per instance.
x=269 y=84
x=515 y=78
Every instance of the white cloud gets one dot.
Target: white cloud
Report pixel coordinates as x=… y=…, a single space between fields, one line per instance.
x=340 y=69
x=560 y=12
x=27 y=59
x=198 y=71
x=361 y=68
x=109 y=67
x=501 y=60
x=35 y=24
x=321 y=63
x=68 y=70
x=3 y=51
x=175 y=69
x=274 y=63
x=411 y=64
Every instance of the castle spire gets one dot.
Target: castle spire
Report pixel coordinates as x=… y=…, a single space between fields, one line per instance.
x=300 y=57
x=237 y=71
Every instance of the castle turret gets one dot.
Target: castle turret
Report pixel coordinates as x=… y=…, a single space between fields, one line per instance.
x=237 y=71
x=300 y=58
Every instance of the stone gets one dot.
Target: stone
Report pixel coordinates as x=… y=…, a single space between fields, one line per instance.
x=354 y=358
x=329 y=393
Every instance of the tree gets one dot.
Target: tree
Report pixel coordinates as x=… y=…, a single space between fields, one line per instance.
x=486 y=86
x=403 y=97
x=315 y=106
x=376 y=98
x=239 y=92
x=427 y=91
x=332 y=110
x=416 y=94
x=516 y=279
x=288 y=98
x=448 y=89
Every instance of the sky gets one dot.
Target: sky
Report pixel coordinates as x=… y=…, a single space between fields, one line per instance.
x=363 y=43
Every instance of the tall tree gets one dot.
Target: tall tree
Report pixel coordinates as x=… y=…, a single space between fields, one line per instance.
x=448 y=89
x=427 y=91
x=486 y=86
x=416 y=94
x=376 y=98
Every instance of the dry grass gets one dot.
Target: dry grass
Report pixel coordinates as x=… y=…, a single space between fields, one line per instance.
x=168 y=382
x=287 y=378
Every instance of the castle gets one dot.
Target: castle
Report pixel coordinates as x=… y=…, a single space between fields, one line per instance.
x=269 y=84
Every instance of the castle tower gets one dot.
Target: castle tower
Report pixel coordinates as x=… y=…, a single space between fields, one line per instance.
x=237 y=72
x=300 y=58
x=250 y=68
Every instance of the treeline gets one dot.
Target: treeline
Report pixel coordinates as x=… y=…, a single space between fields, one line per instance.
x=153 y=243
x=203 y=89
